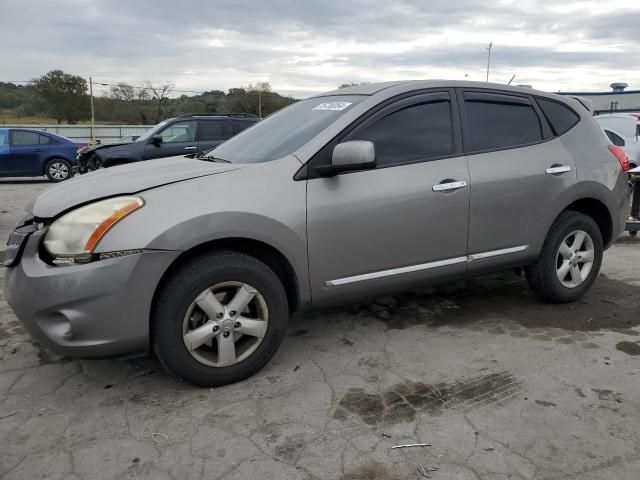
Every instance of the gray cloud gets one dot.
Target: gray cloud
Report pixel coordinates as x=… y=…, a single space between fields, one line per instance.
x=304 y=46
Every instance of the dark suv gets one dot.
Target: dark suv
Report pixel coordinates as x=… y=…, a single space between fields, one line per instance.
x=184 y=135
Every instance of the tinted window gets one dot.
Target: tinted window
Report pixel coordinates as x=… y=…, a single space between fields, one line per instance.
x=179 y=132
x=561 y=117
x=417 y=132
x=239 y=125
x=4 y=137
x=212 y=130
x=615 y=139
x=285 y=131
x=501 y=124
x=24 y=138
x=44 y=140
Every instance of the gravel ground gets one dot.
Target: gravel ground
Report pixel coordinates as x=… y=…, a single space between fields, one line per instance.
x=497 y=384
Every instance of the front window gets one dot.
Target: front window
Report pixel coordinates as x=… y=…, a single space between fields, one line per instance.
x=152 y=131
x=179 y=132
x=285 y=131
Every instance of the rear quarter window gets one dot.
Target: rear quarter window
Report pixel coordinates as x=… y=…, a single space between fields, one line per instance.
x=560 y=117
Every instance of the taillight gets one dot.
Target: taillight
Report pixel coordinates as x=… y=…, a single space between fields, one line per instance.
x=621 y=156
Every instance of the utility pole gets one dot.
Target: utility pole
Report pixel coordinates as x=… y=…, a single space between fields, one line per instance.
x=93 y=122
x=260 y=103
x=489 y=59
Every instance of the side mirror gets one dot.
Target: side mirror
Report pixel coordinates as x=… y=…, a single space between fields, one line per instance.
x=348 y=156
x=156 y=140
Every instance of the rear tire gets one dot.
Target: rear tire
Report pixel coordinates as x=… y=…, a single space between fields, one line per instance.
x=58 y=170
x=203 y=333
x=570 y=259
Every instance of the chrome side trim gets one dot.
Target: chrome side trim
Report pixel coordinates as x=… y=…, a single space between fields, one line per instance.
x=495 y=253
x=394 y=271
x=560 y=169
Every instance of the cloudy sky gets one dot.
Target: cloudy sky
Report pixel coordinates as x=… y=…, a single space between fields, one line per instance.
x=306 y=46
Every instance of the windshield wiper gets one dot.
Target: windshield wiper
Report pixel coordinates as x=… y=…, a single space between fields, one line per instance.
x=211 y=158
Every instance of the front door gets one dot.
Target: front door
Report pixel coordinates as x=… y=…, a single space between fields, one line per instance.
x=403 y=222
x=520 y=176
x=178 y=138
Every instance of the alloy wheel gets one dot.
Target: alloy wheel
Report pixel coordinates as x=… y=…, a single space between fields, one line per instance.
x=225 y=324
x=59 y=171
x=574 y=259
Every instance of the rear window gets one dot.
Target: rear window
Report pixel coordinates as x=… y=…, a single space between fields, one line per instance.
x=215 y=130
x=615 y=139
x=501 y=124
x=560 y=117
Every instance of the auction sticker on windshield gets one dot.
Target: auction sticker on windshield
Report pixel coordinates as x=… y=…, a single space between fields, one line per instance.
x=336 y=106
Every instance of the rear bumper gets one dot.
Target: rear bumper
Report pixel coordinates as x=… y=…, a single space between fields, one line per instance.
x=93 y=310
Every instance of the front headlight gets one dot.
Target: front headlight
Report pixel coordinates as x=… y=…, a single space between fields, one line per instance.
x=75 y=235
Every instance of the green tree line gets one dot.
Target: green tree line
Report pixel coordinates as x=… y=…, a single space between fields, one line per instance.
x=65 y=98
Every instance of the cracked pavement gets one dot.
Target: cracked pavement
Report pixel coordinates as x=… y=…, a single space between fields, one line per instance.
x=499 y=385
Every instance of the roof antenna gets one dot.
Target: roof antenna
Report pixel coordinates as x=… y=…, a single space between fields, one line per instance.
x=514 y=76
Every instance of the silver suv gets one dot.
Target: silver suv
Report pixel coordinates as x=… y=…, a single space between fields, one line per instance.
x=352 y=193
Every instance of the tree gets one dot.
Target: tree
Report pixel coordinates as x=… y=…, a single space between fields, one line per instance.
x=134 y=102
x=65 y=95
x=160 y=96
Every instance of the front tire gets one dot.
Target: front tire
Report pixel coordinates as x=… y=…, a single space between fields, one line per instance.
x=218 y=318
x=570 y=259
x=58 y=170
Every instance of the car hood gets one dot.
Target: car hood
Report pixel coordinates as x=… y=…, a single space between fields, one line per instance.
x=122 y=180
x=92 y=148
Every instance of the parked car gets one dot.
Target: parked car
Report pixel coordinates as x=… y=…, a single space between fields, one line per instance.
x=623 y=129
x=26 y=152
x=183 y=135
x=357 y=192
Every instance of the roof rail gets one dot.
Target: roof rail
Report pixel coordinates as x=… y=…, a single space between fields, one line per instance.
x=235 y=115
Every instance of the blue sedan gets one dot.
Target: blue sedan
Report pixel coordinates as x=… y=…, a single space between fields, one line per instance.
x=32 y=153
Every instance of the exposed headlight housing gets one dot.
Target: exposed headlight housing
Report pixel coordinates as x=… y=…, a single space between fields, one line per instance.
x=73 y=237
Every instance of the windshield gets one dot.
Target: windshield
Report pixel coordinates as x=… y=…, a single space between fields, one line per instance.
x=285 y=131
x=152 y=131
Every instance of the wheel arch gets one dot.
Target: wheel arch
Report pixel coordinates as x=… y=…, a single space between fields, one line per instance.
x=599 y=212
x=50 y=158
x=264 y=252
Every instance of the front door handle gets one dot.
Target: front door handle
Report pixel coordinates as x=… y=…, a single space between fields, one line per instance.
x=556 y=169
x=190 y=148
x=449 y=185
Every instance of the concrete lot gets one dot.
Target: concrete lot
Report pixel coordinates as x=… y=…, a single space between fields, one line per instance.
x=499 y=385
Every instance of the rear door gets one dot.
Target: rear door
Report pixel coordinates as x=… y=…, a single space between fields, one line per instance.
x=213 y=132
x=24 y=152
x=520 y=172
x=178 y=138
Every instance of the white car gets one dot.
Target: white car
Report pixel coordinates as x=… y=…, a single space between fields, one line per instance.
x=623 y=129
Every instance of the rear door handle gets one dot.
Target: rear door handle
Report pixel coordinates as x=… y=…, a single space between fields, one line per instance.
x=37 y=149
x=446 y=186
x=558 y=169
x=190 y=148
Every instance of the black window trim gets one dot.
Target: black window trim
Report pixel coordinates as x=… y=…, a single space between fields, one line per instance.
x=546 y=99
x=492 y=95
x=394 y=103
